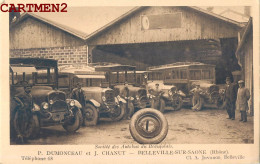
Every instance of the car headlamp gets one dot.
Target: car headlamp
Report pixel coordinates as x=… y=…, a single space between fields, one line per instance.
x=103 y=98
x=51 y=102
x=45 y=105
x=72 y=103
x=137 y=97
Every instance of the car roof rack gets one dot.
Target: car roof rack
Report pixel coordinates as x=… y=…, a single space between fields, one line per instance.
x=175 y=65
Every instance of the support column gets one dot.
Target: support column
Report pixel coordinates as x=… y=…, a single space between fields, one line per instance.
x=90 y=54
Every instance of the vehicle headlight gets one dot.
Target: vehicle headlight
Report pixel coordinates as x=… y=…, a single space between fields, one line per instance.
x=137 y=97
x=170 y=92
x=45 y=105
x=72 y=103
x=51 y=102
x=104 y=98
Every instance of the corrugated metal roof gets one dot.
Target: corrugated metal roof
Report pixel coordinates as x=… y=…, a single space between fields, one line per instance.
x=67 y=29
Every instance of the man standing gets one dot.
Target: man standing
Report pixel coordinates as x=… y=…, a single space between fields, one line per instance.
x=243 y=95
x=78 y=94
x=230 y=98
x=126 y=96
x=24 y=114
x=196 y=98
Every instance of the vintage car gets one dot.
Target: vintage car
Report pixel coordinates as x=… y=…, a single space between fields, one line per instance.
x=186 y=75
x=119 y=74
x=170 y=97
x=50 y=105
x=100 y=100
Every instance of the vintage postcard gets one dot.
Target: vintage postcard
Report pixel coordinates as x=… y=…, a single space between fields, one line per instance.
x=121 y=81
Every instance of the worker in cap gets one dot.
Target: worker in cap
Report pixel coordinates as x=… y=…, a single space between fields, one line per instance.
x=197 y=100
x=126 y=95
x=243 y=95
x=78 y=94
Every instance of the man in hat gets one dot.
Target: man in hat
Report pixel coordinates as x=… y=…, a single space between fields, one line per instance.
x=243 y=95
x=78 y=94
x=230 y=98
x=126 y=96
x=25 y=104
x=157 y=91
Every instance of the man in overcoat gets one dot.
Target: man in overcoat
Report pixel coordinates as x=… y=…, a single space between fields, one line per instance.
x=243 y=95
x=25 y=104
x=78 y=94
x=230 y=98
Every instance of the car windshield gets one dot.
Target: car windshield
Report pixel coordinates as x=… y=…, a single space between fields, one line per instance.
x=88 y=82
x=201 y=74
x=38 y=76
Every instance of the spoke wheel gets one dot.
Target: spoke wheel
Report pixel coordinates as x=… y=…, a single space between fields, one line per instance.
x=90 y=115
x=178 y=103
x=118 y=112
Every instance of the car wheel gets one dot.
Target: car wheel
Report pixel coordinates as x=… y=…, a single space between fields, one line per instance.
x=162 y=105
x=90 y=115
x=28 y=127
x=220 y=103
x=178 y=103
x=74 y=123
x=118 y=113
x=148 y=126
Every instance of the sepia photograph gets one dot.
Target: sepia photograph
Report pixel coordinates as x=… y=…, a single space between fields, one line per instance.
x=190 y=67
x=116 y=78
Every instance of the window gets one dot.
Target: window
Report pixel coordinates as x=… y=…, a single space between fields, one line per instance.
x=63 y=80
x=183 y=74
x=43 y=77
x=207 y=74
x=195 y=74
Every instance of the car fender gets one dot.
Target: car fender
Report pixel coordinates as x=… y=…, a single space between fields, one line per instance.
x=95 y=103
x=182 y=94
x=77 y=104
x=120 y=99
x=36 y=108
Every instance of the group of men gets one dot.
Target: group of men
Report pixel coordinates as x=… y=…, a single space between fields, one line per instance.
x=236 y=98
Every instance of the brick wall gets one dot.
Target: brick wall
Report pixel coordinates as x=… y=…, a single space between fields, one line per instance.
x=64 y=55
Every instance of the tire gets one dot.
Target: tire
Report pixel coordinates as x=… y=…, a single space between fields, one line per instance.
x=74 y=124
x=31 y=127
x=179 y=102
x=220 y=103
x=119 y=113
x=141 y=134
x=90 y=115
x=162 y=105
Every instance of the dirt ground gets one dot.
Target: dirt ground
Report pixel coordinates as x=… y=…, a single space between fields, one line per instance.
x=208 y=126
